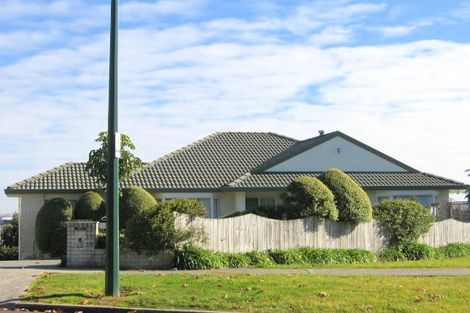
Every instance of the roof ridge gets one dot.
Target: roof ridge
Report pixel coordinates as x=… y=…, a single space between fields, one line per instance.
x=42 y=174
x=442 y=177
x=178 y=151
x=283 y=136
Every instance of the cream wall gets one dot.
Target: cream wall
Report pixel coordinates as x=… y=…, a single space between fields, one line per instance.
x=29 y=206
x=338 y=153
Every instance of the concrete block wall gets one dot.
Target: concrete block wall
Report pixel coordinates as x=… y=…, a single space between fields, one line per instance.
x=29 y=208
x=81 y=252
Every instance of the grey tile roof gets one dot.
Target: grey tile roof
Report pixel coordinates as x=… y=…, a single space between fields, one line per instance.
x=69 y=176
x=222 y=161
x=209 y=163
x=212 y=162
x=367 y=180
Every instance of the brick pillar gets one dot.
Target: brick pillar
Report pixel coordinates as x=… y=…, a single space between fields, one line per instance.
x=81 y=241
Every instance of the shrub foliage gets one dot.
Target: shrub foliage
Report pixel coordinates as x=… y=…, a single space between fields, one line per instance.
x=307 y=196
x=51 y=231
x=151 y=227
x=9 y=235
x=185 y=206
x=90 y=206
x=191 y=257
x=351 y=200
x=133 y=200
x=403 y=220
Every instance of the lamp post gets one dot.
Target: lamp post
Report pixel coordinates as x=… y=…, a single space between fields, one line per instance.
x=112 y=208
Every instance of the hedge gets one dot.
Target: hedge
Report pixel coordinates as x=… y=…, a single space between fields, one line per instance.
x=419 y=251
x=351 y=200
x=51 y=231
x=307 y=196
x=186 y=206
x=192 y=258
x=90 y=206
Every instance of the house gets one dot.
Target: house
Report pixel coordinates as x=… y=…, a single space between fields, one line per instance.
x=235 y=171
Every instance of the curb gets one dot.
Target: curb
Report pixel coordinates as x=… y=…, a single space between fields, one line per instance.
x=67 y=308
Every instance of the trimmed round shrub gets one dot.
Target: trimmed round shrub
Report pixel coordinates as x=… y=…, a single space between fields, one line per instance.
x=133 y=200
x=51 y=231
x=403 y=220
x=185 y=206
x=307 y=196
x=351 y=200
x=90 y=206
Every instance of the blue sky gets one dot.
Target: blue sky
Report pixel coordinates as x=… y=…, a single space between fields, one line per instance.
x=393 y=74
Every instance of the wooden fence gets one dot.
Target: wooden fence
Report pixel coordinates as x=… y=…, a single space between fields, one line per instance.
x=252 y=232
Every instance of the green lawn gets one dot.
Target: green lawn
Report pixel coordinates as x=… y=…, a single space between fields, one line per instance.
x=262 y=293
x=446 y=263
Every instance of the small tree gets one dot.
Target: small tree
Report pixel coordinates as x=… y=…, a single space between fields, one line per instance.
x=351 y=200
x=51 y=231
x=90 y=206
x=98 y=159
x=403 y=220
x=307 y=196
x=10 y=233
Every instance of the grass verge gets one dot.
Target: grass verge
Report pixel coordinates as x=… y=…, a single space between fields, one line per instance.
x=261 y=293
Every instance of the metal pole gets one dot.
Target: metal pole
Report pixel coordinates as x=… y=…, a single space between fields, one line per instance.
x=112 y=213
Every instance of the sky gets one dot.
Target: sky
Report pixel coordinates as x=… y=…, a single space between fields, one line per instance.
x=392 y=74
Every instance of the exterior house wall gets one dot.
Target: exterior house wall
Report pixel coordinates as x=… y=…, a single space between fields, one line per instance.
x=338 y=153
x=29 y=206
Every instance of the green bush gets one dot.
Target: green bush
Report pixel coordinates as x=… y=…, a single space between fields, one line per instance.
x=51 y=231
x=90 y=206
x=393 y=254
x=315 y=256
x=8 y=253
x=195 y=258
x=186 y=206
x=351 y=200
x=9 y=235
x=291 y=256
x=151 y=230
x=454 y=250
x=403 y=220
x=133 y=200
x=417 y=251
x=190 y=257
x=236 y=260
x=259 y=258
x=307 y=196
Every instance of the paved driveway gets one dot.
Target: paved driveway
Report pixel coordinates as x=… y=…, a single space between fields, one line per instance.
x=16 y=276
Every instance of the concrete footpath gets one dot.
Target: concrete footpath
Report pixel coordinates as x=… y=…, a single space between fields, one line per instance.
x=16 y=276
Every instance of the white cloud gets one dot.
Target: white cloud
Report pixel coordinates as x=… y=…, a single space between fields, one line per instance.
x=182 y=82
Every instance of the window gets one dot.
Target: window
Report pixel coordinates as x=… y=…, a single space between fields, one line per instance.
x=382 y=198
x=216 y=209
x=205 y=202
x=425 y=200
x=267 y=202
x=251 y=203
